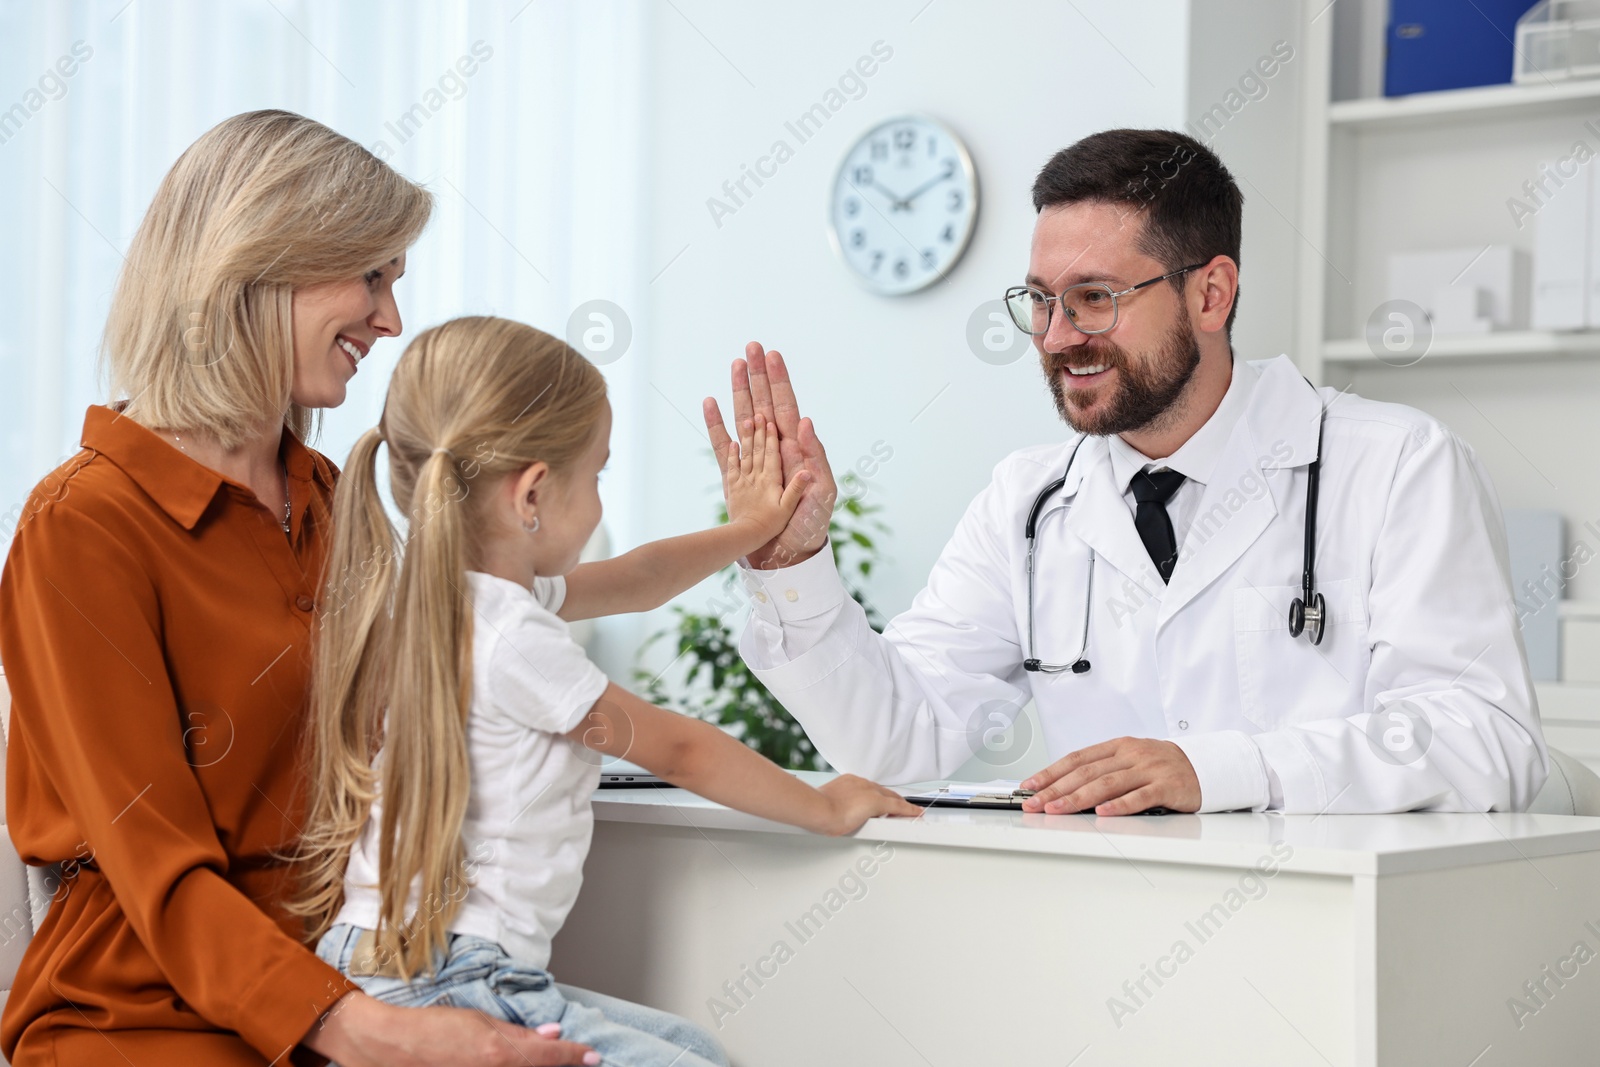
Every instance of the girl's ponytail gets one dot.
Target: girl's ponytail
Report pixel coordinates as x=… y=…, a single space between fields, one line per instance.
x=426 y=777
x=352 y=632
x=470 y=402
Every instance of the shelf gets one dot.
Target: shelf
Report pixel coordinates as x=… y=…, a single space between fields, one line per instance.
x=1466 y=347
x=1492 y=102
x=1568 y=702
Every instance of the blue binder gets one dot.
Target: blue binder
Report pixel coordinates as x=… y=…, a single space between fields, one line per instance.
x=1449 y=44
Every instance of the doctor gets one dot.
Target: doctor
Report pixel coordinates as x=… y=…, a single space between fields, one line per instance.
x=1174 y=534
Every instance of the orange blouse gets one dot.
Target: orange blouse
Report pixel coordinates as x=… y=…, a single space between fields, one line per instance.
x=154 y=626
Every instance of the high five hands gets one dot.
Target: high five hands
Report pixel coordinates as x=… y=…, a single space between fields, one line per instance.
x=1119 y=777
x=761 y=387
x=752 y=482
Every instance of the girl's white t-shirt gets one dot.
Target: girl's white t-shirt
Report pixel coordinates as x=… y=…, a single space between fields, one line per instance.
x=528 y=820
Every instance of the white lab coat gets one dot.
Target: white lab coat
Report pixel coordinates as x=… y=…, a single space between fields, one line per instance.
x=1411 y=559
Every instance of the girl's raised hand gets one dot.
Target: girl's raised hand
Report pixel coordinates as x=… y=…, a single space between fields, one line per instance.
x=757 y=498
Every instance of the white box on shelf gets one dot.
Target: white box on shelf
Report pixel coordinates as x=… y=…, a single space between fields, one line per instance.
x=1460 y=309
x=1558 y=39
x=1499 y=270
x=1562 y=243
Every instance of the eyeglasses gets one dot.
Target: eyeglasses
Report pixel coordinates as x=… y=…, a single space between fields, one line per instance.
x=1091 y=307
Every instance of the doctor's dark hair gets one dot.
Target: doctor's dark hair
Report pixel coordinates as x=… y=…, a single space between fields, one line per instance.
x=1191 y=206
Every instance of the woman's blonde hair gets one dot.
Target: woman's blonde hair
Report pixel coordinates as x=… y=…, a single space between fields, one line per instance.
x=200 y=334
x=470 y=402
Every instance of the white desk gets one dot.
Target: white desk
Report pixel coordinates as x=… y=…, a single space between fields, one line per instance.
x=1000 y=937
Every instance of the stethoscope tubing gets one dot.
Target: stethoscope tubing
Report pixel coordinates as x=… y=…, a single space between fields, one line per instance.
x=1307 y=613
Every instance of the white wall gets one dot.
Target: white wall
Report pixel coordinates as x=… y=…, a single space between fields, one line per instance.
x=1017 y=81
x=1230 y=43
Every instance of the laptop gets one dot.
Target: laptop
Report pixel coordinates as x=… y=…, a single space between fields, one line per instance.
x=632 y=780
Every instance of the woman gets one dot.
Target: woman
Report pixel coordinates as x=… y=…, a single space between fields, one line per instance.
x=155 y=615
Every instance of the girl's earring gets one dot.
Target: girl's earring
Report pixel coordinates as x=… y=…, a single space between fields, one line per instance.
x=533 y=528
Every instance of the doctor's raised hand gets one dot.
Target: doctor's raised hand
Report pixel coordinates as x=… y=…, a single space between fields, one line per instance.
x=761 y=387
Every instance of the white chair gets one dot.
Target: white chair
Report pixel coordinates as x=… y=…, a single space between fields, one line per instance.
x=24 y=896
x=1571 y=789
x=13 y=872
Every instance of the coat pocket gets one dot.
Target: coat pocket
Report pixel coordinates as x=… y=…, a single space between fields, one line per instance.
x=1285 y=680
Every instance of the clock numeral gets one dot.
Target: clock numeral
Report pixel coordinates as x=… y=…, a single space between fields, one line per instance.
x=949 y=234
x=877 y=261
x=862 y=175
x=905 y=139
x=880 y=150
x=955 y=200
x=852 y=207
x=858 y=238
x=949 y=168
x=928 y=259
x=901 y=268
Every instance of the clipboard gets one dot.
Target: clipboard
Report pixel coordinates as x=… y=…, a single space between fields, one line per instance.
x=1011 y=801
x=941 y=798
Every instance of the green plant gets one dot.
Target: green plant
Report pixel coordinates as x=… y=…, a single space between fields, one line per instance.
x=717 y=685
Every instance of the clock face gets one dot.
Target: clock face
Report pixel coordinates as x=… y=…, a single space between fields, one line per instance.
x=904 y=205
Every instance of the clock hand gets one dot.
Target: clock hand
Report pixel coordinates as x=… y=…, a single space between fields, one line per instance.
x=895 y=202
x=925 y=186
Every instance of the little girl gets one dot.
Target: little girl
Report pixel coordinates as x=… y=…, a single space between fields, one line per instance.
x=439 y=867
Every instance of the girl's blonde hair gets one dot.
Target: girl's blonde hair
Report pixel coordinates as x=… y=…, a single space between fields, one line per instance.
x=200 y=334
x=470 y=402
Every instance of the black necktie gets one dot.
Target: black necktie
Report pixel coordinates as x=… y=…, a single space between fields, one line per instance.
x=1152 y=489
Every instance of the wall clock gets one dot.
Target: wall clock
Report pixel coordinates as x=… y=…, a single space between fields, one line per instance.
x=904 y=205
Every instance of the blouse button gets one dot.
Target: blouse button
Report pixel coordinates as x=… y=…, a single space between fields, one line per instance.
x=790 y=595
x=1183 y=724
x=304 y=603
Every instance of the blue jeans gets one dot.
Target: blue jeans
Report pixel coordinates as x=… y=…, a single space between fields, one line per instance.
x=476 y=973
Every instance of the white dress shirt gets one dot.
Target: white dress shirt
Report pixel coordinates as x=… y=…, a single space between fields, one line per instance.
x=1195 y=459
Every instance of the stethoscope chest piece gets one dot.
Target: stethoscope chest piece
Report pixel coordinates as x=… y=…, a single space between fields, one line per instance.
x=1310 y=621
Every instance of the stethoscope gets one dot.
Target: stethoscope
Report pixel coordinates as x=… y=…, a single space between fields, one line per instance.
x=1308 y=613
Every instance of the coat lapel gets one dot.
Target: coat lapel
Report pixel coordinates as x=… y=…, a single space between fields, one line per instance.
x=1278 y=431
x=1234 y=509
x=1100 y=516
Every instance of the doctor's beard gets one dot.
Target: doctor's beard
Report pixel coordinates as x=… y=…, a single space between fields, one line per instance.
x=1146 y=390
